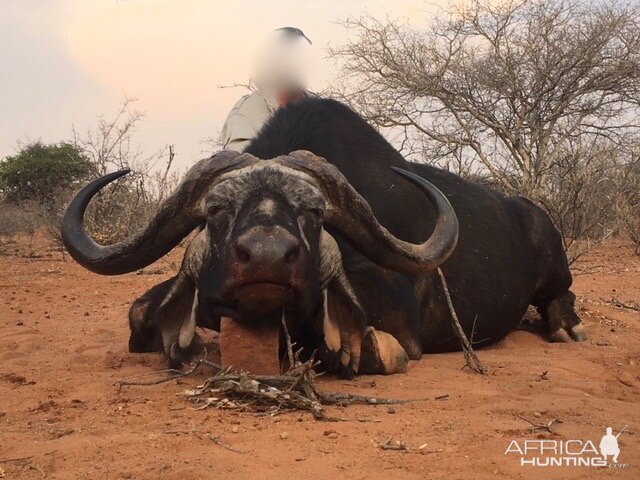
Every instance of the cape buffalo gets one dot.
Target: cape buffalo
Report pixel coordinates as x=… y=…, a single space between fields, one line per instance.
x=263 y=253
x=261 y=249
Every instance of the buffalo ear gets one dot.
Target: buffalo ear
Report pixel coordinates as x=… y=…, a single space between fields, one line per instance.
x=340 y=353
x=176 y=318
x=143 y=319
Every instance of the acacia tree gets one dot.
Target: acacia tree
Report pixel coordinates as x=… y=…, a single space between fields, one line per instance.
x=110 y=145
x=40 y=172
x=507 y=90
x=38 y=182
x=627 y=200
x=34 y=183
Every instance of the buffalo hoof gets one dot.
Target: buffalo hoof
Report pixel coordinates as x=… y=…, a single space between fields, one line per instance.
x=331 y=362
x=382 y=354
x=564 y=324
x=560 y=336
x=178 y=357
x=577 y=333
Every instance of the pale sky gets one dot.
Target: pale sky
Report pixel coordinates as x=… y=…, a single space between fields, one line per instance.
x=64 y=61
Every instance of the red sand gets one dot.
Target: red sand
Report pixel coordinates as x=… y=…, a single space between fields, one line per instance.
x=63 y=345
x=254 y=350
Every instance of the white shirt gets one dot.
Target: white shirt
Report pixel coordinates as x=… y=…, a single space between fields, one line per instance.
x=245 y=120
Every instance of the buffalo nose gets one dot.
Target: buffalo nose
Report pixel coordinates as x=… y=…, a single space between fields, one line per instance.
x=267 y=246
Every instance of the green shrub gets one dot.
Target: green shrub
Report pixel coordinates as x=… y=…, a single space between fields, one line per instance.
x=40 y=172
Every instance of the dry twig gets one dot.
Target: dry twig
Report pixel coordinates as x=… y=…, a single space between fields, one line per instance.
x=271 y=394
x=473 y=361
x=17 y=459
x=292 y=391
x=173 y=373
x=626 y=305
x=541 y=426
x=295 y=390
x=389 y=444
x=217 y=441
x=399 y=445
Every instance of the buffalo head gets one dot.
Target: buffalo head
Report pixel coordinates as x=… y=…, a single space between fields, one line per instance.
x=263 y=247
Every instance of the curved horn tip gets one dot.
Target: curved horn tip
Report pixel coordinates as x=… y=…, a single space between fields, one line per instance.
x=438 y=199
x=109 y=177
x=124 y=171
x=420 y=181
x=410 y=175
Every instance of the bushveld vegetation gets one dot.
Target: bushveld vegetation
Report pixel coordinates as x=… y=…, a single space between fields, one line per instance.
x=38 y=181
x=534 y=97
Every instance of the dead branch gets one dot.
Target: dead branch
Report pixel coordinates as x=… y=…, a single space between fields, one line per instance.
x=289 y=344
x=294 y=390
x=389 y=444
x=217 y=441
x=17 y=459
x=173 y=373
x=248 y=86
x=183 y=432
x=199 y=434
x=541 y=426
x=348 y=398
x=399 y=445
x=626 y=305
x=473 y=361
x=172 y=154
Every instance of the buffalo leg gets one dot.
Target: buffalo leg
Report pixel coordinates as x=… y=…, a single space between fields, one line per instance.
x=564 y=323
x=177 y=319
x=143 y=319
x=351 y=346
x=553 y=299
x=344 y=328
x=390 y=305
x=382 y=354
x=162 y=320
x=344 y=320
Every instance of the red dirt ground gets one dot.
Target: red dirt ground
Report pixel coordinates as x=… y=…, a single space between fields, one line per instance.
x=63 y=345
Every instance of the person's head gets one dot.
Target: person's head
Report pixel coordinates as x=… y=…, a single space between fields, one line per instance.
x=609 y=430
x=283 y=63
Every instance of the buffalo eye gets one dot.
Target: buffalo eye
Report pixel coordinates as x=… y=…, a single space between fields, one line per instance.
x=318 y=212
x=218 y=217
x=213 y=210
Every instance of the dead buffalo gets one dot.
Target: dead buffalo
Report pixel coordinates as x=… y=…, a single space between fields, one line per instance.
x=261 y=251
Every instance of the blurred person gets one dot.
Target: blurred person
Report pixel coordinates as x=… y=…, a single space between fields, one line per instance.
x=280 y=78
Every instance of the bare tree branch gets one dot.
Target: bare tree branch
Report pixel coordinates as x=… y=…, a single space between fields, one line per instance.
x=541 y=96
